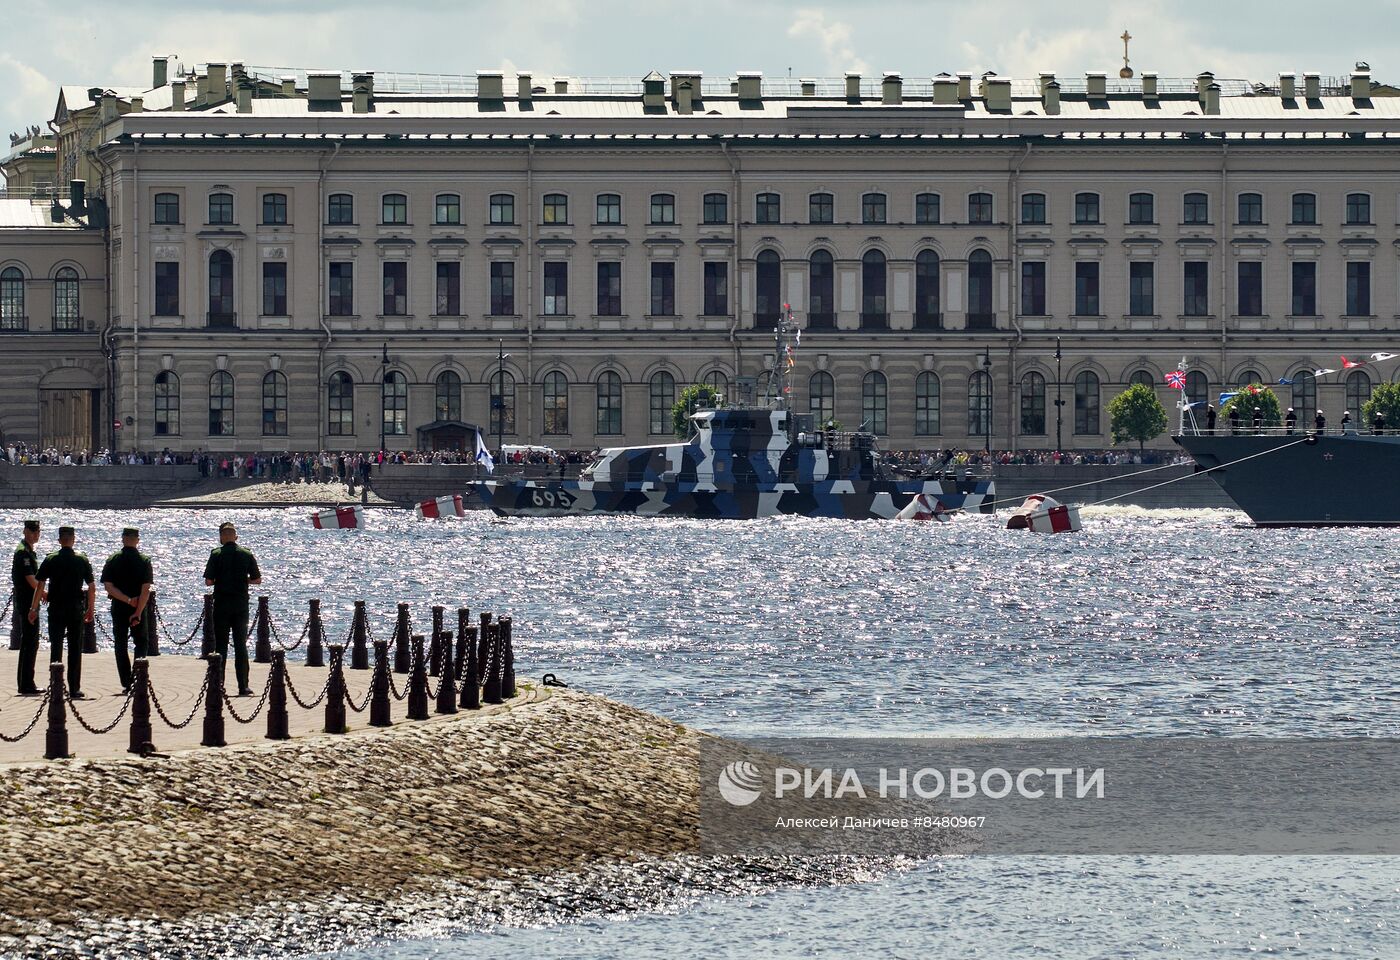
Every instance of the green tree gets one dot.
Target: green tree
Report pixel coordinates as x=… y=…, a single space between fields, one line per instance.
x=1254 y=395
x=1136 y=414
x=1385 y=398
x=691 y=398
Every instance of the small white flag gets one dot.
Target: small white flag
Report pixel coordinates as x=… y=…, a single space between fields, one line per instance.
x=1378 y=357
x=483 y=455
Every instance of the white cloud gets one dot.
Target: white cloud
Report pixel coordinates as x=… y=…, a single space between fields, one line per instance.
x=833 y=36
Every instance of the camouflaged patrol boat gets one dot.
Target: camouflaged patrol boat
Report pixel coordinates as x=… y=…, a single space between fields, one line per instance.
x=740 y=463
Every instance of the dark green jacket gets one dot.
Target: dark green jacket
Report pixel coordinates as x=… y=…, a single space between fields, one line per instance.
x=128 y=570
x=65 y=571
x=231 y=567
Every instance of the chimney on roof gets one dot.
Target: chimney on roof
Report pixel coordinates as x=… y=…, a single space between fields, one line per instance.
x=177 y=95
x=1312 y=85
x=108 y=109
x=964 y=86
x=892 y=87
x=1096 y=85
x=323 y=90
x=201 y=89
x=653 y=91
x=690 y=79
x=523 y=90
x=1360 y=84
x=362 y=92
x=982 y=84
x=138 y=104
x=1051 y=97
x=809 y=87
x=945 y=89
x=1287 y=86
x=489 y=86
x=1212 y=101
x=561 y=86
x=685 y=96
x=77 y=198
x=1047 y=77
x=750 y=85
x=1149 y=85
x=998 y=96
x=1203 y=80
x=289 y=86
x=159 y=68
x=243 y=95
x=217 y=90
x=853 y=86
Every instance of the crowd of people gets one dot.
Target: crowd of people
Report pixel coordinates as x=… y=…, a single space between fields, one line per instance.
x=920 y=460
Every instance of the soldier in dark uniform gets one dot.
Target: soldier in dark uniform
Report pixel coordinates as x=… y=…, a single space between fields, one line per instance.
x=1210 y=418
x=66 y=577
x=1234 y=421
x=230 y=571
x=1320 y=422
x=126 y=576
x=1290 y=421
x=1258 y=420
x=24 y=572
x=1378 y=423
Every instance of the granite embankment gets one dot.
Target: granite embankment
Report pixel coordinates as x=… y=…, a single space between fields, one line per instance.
x=561 y=784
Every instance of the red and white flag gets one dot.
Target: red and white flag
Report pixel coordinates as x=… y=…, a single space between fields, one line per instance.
x=1176 y=379
x=1348 y=364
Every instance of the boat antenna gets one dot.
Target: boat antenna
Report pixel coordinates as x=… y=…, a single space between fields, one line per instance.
x=785 y=339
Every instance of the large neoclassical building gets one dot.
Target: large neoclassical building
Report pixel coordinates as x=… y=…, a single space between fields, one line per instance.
x=268 y=260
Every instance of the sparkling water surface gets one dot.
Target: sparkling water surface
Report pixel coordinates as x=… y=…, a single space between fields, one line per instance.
x=1147 y=623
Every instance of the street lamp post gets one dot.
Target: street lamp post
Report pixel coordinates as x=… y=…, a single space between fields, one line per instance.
x=987 y=405
x=498 y=402
x=383 y=383
x=1059 y=401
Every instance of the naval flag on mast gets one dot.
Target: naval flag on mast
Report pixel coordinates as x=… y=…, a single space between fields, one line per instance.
x=483 y=455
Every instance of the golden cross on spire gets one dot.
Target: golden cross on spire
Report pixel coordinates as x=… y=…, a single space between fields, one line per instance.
x=1127 y=71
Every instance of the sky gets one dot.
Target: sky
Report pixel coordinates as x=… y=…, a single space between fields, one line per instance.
x=89 y=43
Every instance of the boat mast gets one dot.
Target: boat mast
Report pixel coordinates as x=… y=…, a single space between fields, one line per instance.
x=780 y=381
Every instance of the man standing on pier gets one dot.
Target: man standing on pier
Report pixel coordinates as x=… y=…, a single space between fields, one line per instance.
x=126 y=576
x=66 y=577
x=231 y=570
x=24 y=581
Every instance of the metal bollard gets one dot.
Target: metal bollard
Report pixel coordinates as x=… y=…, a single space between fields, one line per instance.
x=56 y=738
x=152 y=628
x=418 y=683
x=379 y=697
x=335 y=691
x=214 y=704
x=507 y=660
x=435 y=643
x=491 y=688
x=90 y=636
x=315 y=636
x=471 y=681
x=277 y=728
x=140 y=741
x=402 y=662
x=262 y=646
x=482 y=636
x=359 y=636
x=464 y=618
x=15 y=625
x=206 y=645
x=447 y=691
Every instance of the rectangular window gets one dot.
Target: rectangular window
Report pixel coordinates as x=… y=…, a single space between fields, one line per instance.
x=447 y=209
x=394 y=209
x=502 y=209
x=1304 y=208
x=340 y=209
x=1359 y=289
x=448 y=302
x=395 y=288
x=341 y=287
x=1142 y=301
x=1304 y=289
x=1033 y=208
x=821 y=208
x=608 y=210
x=167 y=288
x=1086 y=208
x=979 y=208
x=167 y=208
x=926 y=208
x=274 y=299
x=221 y=208
x=502 y=289
x=556 y=208
x=1251 y=208
x=1251 y=288
x=663 y=209
x=1141 y=208
x=556 y=288
x=768 y=208
x=609 y=289
x=1033 y=288
x=716 y=288
x=872 y=208
x=274 y=208
x=716 y=208
x=663 y=289
x=1358 y=208
x=1195 y=292
x=1195 y=208
x=1086 y=289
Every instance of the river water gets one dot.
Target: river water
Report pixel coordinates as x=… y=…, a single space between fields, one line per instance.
x=1156 y=623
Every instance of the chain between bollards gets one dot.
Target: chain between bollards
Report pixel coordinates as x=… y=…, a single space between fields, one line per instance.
x=464 y=620
x=507 y=659
x=491 y=684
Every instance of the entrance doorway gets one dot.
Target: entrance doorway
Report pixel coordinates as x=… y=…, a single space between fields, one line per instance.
x=70 y=419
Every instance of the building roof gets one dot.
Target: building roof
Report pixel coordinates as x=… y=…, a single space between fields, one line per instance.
x=29 y=214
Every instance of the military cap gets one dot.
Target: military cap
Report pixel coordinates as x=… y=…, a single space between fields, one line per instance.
x=130 y=532
x=66 y=531
x=31 y=526
x=226 y=525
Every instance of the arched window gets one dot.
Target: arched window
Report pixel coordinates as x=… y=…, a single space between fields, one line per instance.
x=340 y=405
x=979 y=291
x=663 y=208
x=221 y=289
x=393 y=209
x=1251 y=208
x=167 y=208
x=928 y=404
x=1358 y=392
x=502 y=209
x=1140 y=208
x=1143 y=377
x=872 y=208
x=1086 y=208
x=873 y=313
x=220 y=208
x=663 y=398
x=1195 y=208
x=556 y=208
x=12 y=299
x=821 y=208
x=221 y=404
x=607 y=209
x=875 y=403
x=1086 y=404
x=1249 y=376
x=274 y=404
x=927 y=301
x=979 y=208
x=67 y=314
x=1304 y=394
x=1197 y=386
x=447 y=208
x=768 y=208
x=167 y=398
x=821 y=291
x=1033 y=405
x=926 y=208
x=821 y=397
x=556 y=402
x=447 y=403
x=394 y=404
x=340 y=209
x=1358 y=208
x=718 y=382
x=1304 y=208
x=502 y=402
x=609 y=403
x=769 y=290
x=274 y=208
x=715 y=208
x=979 y=404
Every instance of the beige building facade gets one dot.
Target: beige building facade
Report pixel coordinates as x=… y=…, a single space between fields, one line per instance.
x=305 y=261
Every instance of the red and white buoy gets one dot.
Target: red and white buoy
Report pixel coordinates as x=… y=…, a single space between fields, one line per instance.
x=924 y=507
x=341 y=518
x=441 y=507
x=1042 y=514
